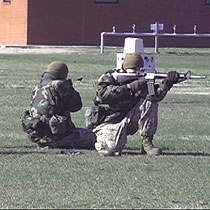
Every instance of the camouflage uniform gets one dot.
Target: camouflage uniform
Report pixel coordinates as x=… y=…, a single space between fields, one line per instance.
x=128 y=109
x=49 y=121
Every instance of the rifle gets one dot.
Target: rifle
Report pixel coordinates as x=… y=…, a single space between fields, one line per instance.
x=150 y=76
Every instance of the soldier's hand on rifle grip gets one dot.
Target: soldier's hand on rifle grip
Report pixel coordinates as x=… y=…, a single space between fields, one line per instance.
x=172 y=78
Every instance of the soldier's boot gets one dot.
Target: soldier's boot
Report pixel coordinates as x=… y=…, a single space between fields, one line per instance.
x=148 y=147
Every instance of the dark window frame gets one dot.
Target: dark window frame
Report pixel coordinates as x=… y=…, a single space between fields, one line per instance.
x=207 y=2
x=106 y=1
x=6 y=2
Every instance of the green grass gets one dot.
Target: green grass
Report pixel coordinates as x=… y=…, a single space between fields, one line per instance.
x=35 y=178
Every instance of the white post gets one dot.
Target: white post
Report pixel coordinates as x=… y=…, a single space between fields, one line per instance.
x=156 y=37
x=102 y=42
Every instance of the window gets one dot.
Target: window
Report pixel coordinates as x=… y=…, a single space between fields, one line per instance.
x=207 y=2
x=106 y=1
x=6 y=1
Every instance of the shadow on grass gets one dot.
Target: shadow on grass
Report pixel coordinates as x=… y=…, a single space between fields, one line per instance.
x=21 y=147
x=129 y=151
x=23 y=152
x=136 y=151
x=194 y=154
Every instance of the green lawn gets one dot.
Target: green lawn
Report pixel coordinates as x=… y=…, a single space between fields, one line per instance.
x=35 y=178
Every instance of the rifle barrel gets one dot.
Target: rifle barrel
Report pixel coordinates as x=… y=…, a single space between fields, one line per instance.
x=187 y=75
x=197 y=77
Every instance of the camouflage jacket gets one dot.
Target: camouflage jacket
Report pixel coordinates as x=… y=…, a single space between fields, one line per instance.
x=118 y=99
x=54 y=97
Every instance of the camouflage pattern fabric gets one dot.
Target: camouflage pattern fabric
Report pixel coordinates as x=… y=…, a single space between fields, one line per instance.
x=53 y=96
x=79 y=138
x=130 y=110
x=142 y=118
x=120 y=98
x=54 y=99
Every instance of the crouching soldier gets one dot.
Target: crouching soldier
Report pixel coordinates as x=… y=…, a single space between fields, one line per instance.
x=125 y=108
x=48 y=122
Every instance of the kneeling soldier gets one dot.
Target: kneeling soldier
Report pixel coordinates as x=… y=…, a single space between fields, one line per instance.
x=48 y=122
x=125 y=108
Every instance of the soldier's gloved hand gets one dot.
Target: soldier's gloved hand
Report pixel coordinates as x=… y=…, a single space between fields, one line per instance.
x=137 y=84
x=172 y=78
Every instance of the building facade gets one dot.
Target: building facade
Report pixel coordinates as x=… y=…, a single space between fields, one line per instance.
x=80 y=22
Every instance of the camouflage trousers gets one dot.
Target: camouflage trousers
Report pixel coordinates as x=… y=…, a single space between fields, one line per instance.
x=80 y=138
x=142 y=118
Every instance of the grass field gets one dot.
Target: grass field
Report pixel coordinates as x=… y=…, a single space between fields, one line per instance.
x=35 y=178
